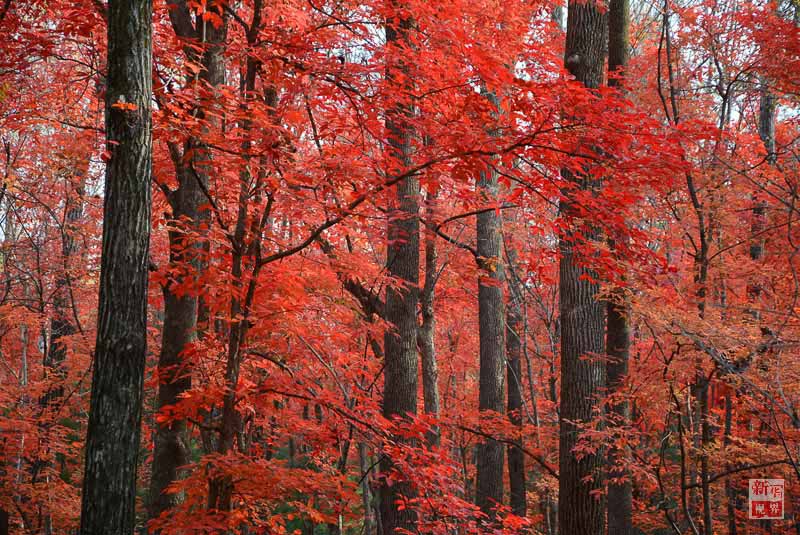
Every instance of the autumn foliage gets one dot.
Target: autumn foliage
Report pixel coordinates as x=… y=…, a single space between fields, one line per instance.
x=692 y=218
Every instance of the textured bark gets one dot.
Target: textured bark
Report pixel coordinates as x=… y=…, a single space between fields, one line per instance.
x=181 y=308
x=113 y=433
x=515 y=329
x=402 y=263
x=618 y=331
x=581 y=314
x=618 y=340
x=618 y=39
x=427 y=330
x=491 y=326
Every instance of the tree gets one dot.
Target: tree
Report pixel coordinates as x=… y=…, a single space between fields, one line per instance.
x=618 y=329
x=402 y=262
x=186 y=257
x=515 y=334
x=114 y=429
x=427 y=329
x=491 y=325
x=281 y=134
x=581 y=508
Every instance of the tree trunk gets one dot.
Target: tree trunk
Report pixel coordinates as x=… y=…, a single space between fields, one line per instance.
x=427 y=330
x=618 y=330
x=113 y=434
x=491 y=326
x=181 y=308
x=580 y=510
x=245 y=268
x=366 y=491
x=61 y=324
x=515 y=330
x=402 y=263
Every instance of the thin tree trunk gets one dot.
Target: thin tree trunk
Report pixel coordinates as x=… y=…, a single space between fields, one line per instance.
x=618 y=330
x=171 y=450
x=366 y=492
x=515 y=331
x=402 y=263
x=245 y=268
x=62 y=324
x=427 y=330
x=108 y=502
x=582 y=318
x=730 y=491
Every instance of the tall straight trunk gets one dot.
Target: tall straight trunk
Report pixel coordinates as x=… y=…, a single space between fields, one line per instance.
x=426 y=337
x=730 y=491
x=618 y=329
x=179 y=331
x=515 y=331
x=583 y=377
x=402 y=263
x=108 y=502
x=491 y=328
x=618 y=340
x=8 y=233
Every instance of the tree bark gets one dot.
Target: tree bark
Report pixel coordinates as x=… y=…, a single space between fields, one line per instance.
x=171 y=450
x=618 y=329
x=402 y=263
x=515 y=330
x=427 y=330
x=113 y=433
x=581 y=314
x=491 y=326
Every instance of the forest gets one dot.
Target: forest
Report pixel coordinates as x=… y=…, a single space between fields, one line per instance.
x=399 y=267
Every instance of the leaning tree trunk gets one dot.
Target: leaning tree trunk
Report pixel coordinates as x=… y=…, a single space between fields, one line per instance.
x=171 y=450
x=581 y=314
x=618 y=329
x=113 y=433
x=491 y=327
x=402 y=263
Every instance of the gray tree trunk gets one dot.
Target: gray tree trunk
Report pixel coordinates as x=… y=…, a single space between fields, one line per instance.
x=427 y=330
x=582 y=318
x=515 y=330
x=108 y=502
x=491 y=325
x=618 y=329
x=402 y=263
